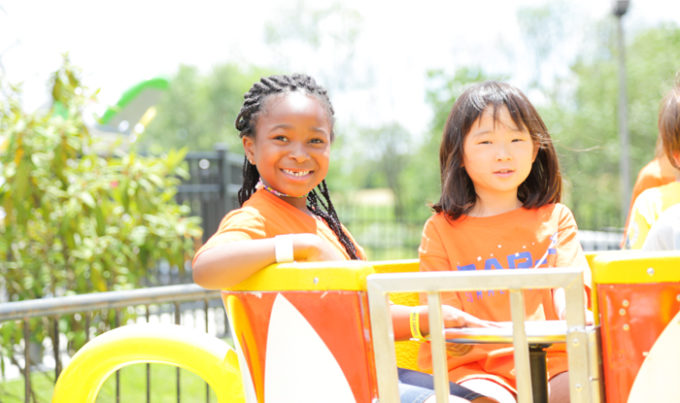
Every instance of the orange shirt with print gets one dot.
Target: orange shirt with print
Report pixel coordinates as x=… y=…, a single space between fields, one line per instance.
x=265 y=215
x=522 y=238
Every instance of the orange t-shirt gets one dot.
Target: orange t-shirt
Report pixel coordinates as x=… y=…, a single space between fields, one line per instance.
x=265 y=215
x=522 y=238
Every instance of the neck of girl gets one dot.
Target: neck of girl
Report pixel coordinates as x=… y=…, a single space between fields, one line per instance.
x=498 y=204
x=298 y=203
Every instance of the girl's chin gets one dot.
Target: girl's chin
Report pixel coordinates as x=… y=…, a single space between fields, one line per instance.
x=299 y=189
x=297 y=193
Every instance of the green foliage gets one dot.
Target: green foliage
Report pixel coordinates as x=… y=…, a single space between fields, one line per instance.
x=544 y=29
x=76 y=222
x=584 y=124
x=383 y=163
x=199 y=110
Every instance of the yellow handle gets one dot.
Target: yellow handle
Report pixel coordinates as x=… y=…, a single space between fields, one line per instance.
x=206 y=356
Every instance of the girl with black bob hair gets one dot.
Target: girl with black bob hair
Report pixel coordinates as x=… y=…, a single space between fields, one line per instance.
x=544 y=183
x=499 y=209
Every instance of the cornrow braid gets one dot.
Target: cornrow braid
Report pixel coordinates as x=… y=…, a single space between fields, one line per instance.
x=253 y=105
x=255 y=97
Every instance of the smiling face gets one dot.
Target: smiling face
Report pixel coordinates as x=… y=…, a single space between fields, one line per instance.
x=497 y=156
x=291 y=145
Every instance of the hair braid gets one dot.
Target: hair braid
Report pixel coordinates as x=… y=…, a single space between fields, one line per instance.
x=253 y=106
x=250 y=179
x=328 y=213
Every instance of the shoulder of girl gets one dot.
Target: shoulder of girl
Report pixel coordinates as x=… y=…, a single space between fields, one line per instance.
x=564 y=215
x=555 y=208
x=437 y=220
x=564 y=209
x=243 y=214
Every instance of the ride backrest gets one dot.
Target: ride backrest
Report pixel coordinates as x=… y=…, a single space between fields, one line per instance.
x=288 y=313
x=302 y=333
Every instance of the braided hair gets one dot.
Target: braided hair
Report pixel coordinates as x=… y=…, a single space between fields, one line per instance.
x=246 y=120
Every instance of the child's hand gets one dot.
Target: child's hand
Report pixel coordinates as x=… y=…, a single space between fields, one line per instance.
x=454 y=317
x=310 y=247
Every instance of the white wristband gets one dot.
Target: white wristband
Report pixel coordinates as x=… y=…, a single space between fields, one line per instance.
x=283 y=248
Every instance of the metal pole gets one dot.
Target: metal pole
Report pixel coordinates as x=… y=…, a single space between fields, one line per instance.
x=624 y=162
x=623 y=124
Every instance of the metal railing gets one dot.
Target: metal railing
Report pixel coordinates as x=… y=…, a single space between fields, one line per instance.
x=184 y=299
x=584 y=379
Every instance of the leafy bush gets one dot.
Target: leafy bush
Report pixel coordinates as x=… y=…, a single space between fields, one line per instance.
x=73 y=221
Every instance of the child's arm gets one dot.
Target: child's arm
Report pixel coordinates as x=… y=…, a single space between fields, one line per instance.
x=226 y=265
x=560 y=301
x=453 y=317
x=570 y=254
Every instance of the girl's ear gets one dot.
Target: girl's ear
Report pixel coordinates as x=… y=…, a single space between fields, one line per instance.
x=248 y=147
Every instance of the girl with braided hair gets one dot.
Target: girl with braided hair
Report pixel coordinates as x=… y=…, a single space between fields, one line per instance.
x=286 y=214
x=286 y=126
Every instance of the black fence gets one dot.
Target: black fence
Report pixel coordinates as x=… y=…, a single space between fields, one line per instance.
x=211 y=190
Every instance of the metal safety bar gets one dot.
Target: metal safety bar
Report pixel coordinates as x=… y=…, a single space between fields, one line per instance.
x=582 y=349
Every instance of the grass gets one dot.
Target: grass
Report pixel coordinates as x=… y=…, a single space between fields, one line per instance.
x=132 y=386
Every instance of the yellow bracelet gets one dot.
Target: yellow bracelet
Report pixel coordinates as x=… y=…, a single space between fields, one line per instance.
x=414 y=321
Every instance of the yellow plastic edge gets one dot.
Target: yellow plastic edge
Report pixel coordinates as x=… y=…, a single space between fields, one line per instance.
x=309 y=276
x=634 y=267
x=396 y=266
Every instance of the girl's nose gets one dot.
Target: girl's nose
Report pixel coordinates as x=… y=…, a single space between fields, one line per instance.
x=502 y=153
x=298 y=152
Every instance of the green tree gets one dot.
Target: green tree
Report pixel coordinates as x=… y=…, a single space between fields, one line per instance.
x=583 y=120
x=383 y=162
x=198 y=111
x=76 y=222
x=544 y=30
